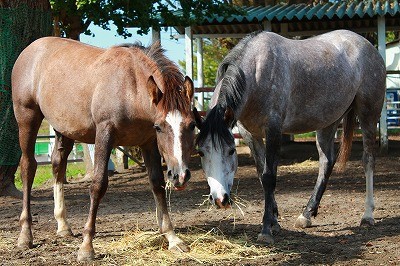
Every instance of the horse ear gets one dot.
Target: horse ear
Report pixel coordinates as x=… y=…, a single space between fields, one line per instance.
x=197 y=118
x=229 y=116
x=189 y=88
x=154 y=92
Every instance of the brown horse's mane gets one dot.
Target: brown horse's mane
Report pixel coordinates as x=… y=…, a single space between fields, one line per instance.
x=167 y=71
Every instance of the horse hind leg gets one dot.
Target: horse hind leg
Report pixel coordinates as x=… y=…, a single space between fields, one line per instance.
x=62 y=148
x=325 y=146
x=369 y=135
x=29 y=121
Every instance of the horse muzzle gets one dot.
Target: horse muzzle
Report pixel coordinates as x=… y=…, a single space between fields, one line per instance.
x=179 y=180
x=222 y=203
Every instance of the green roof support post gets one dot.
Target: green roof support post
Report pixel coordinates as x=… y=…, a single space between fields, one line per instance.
x=200 y=74
x=383 y=135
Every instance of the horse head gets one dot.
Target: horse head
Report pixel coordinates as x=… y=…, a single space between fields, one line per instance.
x=216 y=147
x=174 y=125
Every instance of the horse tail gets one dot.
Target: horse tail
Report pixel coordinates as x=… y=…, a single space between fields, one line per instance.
x=346 y=141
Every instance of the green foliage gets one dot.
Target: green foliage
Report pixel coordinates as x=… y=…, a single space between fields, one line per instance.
x=44 y=173
x=75 y=16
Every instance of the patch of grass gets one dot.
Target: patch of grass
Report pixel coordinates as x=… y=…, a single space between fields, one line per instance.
x=45 y=172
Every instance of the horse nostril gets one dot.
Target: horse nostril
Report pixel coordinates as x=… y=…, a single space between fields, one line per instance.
x=187 y=175
x=211 y=198
x=226 y=201
x=169 y=173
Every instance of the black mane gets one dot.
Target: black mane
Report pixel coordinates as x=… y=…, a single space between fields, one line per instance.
x=233 y=86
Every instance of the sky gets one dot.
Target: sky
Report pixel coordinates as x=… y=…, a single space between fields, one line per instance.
x=175 y=49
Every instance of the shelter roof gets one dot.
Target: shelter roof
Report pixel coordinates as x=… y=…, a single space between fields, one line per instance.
x=302 y=19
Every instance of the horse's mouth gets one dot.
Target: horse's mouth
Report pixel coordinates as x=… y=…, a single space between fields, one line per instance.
x=180 y=188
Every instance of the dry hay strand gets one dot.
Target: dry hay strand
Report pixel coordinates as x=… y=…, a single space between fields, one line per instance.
x=207 y=247
x=306 y=165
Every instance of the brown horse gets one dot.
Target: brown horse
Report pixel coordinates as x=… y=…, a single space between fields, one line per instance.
x=125 y=95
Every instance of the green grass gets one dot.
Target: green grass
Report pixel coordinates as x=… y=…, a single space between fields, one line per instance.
x=44 y=173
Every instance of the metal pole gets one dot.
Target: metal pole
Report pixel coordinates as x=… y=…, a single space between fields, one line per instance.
x=200 y=74
x=383 y=135
x=189 y=51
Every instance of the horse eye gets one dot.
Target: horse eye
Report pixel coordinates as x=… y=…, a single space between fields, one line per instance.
x=200 y=153
x=231 y=152
x=157 y=128
x=192 y=126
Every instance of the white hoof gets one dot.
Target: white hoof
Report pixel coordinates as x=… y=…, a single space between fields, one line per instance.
x=302 y=222
x=64 y=233
x=178 y=247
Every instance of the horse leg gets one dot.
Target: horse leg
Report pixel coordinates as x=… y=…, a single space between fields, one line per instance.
x=369 y=135
x=29 y=121
x=62 y=148
x=268 y=180
x=103 y=147
x=257 y=148
x=326 y=151
x=152 y=160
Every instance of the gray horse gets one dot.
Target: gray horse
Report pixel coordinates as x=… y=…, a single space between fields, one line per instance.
x=273 y=85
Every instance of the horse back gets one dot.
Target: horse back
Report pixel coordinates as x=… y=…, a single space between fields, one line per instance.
x=309 y=84
x=77 y=86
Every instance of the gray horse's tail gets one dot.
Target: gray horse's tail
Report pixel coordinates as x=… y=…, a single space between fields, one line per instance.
x=346 y=141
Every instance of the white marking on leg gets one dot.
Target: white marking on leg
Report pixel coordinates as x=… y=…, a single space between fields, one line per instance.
x=60 y=213
x=369 y=197
x=174 y=118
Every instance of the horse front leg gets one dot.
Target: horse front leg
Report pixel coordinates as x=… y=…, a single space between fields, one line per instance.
x=325 y=146
x=152 y=160
x=257 y=148
x=268 y=180
x=62 y=148
x=103 y=146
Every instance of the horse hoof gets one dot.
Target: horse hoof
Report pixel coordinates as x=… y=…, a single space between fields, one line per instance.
x=265 y=239
x=276 y=228
x=65 y=233
x=24 y=244
x=85 y=256
x=302 y=222
x=369 y=221
x=179 y=247
x=25 y=240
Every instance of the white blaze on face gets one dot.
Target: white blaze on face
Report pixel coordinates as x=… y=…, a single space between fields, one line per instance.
x=174 y=118
x=219 y=168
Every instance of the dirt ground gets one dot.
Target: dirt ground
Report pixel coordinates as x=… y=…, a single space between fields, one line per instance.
x=334 y=239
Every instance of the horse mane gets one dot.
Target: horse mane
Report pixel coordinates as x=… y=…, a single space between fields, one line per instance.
x=233 y=86
x=168 y=72
x=215 y=125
